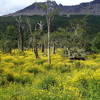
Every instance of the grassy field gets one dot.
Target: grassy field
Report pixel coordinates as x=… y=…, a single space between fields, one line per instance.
x=22 y=77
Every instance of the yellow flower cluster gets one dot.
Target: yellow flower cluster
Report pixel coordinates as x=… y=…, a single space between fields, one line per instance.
x=55 y=80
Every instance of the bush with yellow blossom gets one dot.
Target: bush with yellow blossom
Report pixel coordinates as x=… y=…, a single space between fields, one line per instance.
x=22 y=77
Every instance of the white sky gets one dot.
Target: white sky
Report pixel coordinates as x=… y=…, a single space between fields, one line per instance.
x=10 y=6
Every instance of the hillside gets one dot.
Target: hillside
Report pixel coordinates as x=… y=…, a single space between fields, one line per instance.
x=90 y=8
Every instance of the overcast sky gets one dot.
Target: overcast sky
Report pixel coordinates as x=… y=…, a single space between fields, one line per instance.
x=10 y=6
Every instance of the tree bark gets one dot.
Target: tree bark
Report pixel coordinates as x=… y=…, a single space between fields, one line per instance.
x=49 y=57
x=21 y=33
x=36 y=52
x=42 y=48
x=21 y=39
x=54 y=49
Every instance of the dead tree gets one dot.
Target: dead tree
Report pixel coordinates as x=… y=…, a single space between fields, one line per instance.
x=33 y=40
x=54 y=49
x=50 y=12
x=40 y=25
x=41 y=30
x=21 y=33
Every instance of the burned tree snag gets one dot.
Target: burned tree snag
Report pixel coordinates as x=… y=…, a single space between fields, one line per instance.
x=21 y=33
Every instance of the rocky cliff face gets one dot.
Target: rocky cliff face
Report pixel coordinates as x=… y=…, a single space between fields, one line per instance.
x=90 y=8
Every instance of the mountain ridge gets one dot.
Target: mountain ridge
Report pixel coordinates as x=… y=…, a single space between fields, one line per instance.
x=91 y=8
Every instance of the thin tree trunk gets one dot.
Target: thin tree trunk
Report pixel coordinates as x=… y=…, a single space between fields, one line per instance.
x=21 y=39
x=18 y=44
x=49 y=57
x=68 y=52
x=42 y=48
x=36 y=52
x=21 y=34
x=35 y=47
x=54 y=49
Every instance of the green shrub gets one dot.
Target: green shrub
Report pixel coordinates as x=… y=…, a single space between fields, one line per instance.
x=18 y=62
x=1 y=71
x=47 y=82
x=64 y=69
x=8 y=60
x=10 y=77
x=35 y=70
x=6 y=78
x=78 y=65
x=39 y=61
x=48 y=66
x=89 y=88
x=3 y=80
x=23 y=79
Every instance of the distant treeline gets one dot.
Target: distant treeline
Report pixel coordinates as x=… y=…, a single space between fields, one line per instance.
x=66 y=31
x=93 y=22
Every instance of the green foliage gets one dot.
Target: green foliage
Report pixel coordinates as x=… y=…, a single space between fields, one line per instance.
x=48 y=66
x=3 y=80
x=88 y=28
x=74 y=53
x=35 y=70
x=63 y=68
x=96 y=43
x=88 y=87
x=47 y=82
x=23 y=79
x=39 y=61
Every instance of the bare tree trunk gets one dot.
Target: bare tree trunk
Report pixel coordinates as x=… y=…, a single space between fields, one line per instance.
x=0 y=58
x=36 y=52
x=21 y=34
x=54 y=49
x=21 y=39
x=18 y=44
x=49 y=57
x=42 y=48
x=68 y=52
